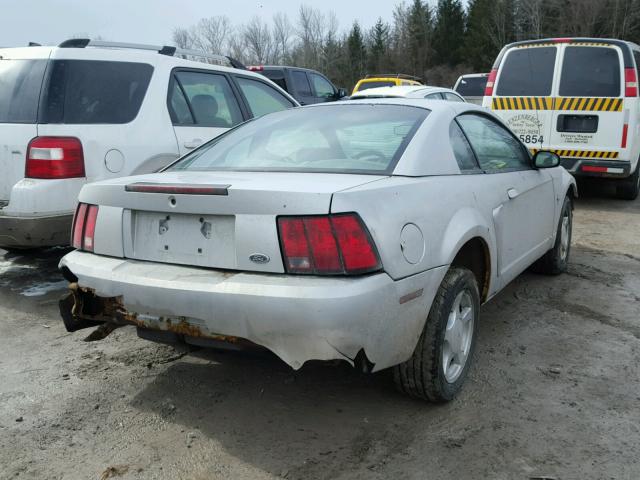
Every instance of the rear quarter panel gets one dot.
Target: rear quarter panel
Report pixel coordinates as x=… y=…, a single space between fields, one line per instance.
x=444 y=209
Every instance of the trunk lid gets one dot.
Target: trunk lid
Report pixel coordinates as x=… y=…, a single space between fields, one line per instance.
x=236 y=231
x=22 y=72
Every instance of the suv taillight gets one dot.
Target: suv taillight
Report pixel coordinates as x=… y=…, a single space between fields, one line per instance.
x=84 y=227
x=488 y=90
x=55 y=158
x=327 y=245
x=630 y=82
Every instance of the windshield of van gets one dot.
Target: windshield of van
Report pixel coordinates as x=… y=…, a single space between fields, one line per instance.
x=345 y=139
x=590 y=72
x=472 y=86
x=20 y=82
x=527 y=72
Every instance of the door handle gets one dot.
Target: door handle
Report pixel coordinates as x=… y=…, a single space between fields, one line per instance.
x=195 y=143
x=512 y=193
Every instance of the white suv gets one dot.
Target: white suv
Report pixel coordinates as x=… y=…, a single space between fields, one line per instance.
x=86 y=111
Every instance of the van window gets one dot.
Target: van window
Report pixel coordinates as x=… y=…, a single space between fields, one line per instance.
x=92 y=92
x=527 y=72
x=590 y=72
x=20 y=82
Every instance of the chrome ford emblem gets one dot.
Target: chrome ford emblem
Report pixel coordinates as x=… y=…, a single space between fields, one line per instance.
x=259 y=258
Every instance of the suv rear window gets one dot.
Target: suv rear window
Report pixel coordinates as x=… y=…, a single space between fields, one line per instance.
x=374 y=84
x=20 y=82
x=590 y=72
x=472 y=86
x=527 y=72
x=93 y=92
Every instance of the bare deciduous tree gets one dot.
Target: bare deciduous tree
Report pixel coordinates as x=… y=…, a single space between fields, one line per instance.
x=257 y=39
x=282 y=33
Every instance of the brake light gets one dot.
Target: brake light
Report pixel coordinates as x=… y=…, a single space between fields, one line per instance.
x=562 y=40
x=55 y=158
x=327 y=245
x=488 y=91
x=630 y=82
x=254 y=68
x=84 y=227
x=78 y=225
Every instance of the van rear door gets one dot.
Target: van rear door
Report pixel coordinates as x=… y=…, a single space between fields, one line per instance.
x=522 y=95
x=21 y=73
x=589 y=113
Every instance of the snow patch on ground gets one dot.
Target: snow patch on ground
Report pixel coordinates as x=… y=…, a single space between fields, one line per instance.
x=44 y=288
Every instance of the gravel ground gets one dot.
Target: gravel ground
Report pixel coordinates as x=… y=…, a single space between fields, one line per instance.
x=554 y=391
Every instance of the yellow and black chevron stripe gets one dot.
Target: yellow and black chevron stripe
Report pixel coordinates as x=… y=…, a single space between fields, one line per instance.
x=522 y=103
x=583 y=104
x=581 y=153
x=589 y=104
x=573 y=44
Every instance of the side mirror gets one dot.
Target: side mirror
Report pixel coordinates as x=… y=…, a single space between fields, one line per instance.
x=545 y=159
x=341 y=93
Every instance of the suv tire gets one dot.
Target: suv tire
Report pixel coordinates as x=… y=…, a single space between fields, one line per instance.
x=440 y=363
x=556 y=260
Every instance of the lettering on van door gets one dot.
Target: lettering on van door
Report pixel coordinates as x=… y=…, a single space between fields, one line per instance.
x=576 y=138
x=527 y=127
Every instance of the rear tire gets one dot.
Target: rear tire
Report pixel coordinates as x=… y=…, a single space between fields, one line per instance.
x=440 y=363
x=629 y=188
x=556 y=260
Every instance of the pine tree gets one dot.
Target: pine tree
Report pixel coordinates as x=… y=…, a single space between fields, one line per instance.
x=356 y=53
x=379 y=38
x=448 y=32
x=420 y=29
x=479 y=50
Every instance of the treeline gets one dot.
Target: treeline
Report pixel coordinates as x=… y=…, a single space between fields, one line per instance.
x=437 y=42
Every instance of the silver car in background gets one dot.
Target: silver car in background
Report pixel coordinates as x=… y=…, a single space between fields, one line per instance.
x=472 y=87
x=367 y=231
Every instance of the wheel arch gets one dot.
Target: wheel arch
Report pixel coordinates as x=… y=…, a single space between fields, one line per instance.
x=475 y=255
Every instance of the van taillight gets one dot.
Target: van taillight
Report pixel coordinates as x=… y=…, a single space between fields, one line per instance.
x=488 y=90
x=55 y=158
x=630 y=82
x=327 y=245
x=84 y=227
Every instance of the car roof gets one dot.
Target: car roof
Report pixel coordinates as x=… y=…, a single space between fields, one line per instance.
x=401 y=91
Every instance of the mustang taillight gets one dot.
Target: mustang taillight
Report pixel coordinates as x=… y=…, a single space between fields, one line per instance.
x=84 y=227
x=327 y=245
x=55 y=158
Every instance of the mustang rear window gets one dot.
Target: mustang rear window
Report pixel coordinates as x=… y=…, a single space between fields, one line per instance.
x=339 y=138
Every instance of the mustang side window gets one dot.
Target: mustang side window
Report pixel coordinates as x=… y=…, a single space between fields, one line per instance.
x=462 y=150
x=496 y=148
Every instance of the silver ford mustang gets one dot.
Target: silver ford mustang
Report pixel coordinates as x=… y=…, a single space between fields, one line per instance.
x=366 y=231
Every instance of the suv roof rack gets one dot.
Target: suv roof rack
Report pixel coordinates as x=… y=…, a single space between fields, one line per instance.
x=395 y=75
x=163 y=50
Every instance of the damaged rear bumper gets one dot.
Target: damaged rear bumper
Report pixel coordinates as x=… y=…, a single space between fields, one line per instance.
x=298 y=318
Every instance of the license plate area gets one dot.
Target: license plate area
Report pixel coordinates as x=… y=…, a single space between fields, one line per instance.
x=199 y=240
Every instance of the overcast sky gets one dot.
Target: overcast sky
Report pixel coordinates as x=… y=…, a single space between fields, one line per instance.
x=152 y=21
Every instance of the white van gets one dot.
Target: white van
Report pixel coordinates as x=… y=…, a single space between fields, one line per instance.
x=577 y=97
x=86 y=111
